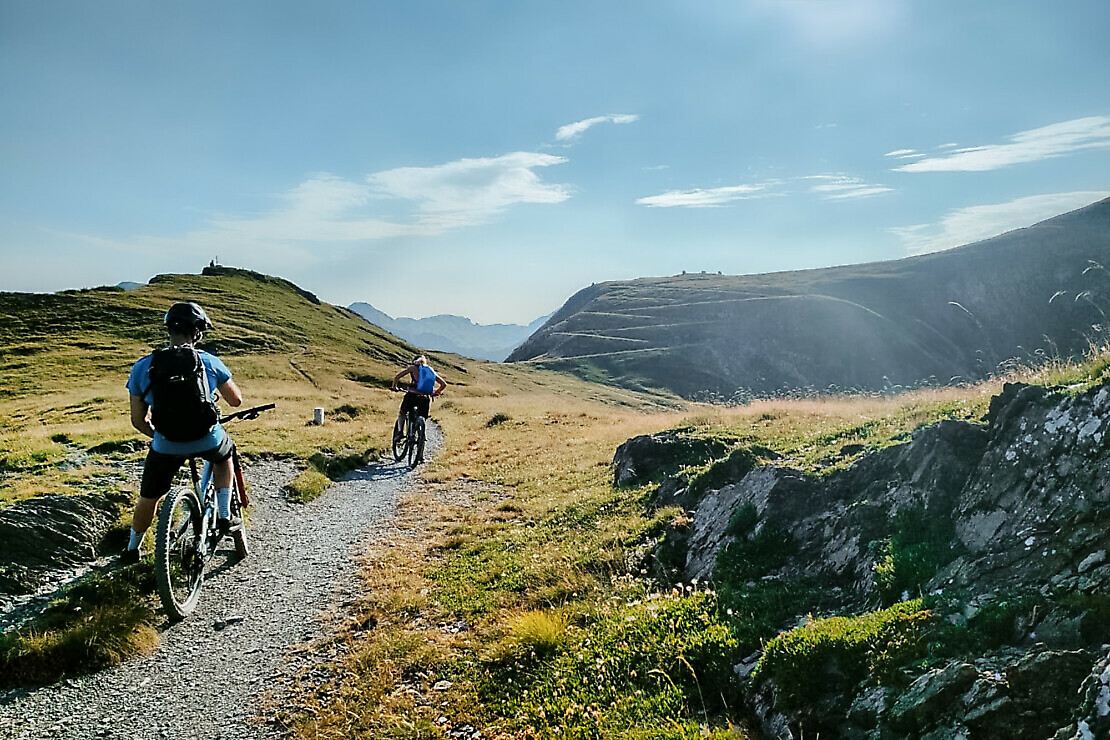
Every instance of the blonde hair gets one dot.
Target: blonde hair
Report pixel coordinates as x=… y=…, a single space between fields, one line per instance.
x=420 y=360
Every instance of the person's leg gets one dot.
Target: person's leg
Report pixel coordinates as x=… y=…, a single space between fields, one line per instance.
x=158 y=473
x=220 y=457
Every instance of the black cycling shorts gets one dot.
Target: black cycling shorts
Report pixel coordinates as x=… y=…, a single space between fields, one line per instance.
x=160 y=468
x=419 y=401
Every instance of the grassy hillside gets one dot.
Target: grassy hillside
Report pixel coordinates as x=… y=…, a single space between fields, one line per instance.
x=67 y=356
x=1030 y=293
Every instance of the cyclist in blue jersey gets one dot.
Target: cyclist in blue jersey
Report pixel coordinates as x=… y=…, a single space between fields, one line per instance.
x=425 y=384
x=172 y=401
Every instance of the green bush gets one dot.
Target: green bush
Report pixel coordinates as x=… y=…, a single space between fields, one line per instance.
x=917 y=547
x=498 y=418
x=826 y=656
x=719 y=474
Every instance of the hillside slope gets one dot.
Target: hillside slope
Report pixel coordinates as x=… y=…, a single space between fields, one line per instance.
x=72 y=335
x=952 y=314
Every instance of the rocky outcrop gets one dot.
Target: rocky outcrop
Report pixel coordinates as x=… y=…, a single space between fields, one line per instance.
x=987 y=517
x=651 y=457
x=45 y=534
x=1027 y=496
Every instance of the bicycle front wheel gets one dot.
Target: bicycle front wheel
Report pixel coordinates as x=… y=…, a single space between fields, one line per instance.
x=178 y=562
x=419 y=444
x=400 y=437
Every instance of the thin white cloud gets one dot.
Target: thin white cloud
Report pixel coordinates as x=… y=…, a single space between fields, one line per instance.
x=827 y=187
x=975 y=223
x=900 y=152
x=329 y=210
x=841 y=187
x=699 y=198
x=574 y=130
x=1056 y=140
x=470 y=191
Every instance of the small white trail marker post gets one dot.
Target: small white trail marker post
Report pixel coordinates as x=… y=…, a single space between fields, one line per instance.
x=318 y=416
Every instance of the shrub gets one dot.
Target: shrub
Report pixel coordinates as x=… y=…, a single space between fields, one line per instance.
x=498 y=418
x=639 y=664
x=917 y=547
x=731 y=469
x=825 y=656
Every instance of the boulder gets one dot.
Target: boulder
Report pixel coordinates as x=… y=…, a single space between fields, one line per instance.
x=652 y=457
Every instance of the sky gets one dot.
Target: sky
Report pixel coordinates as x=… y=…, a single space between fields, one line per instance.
x=489 y=159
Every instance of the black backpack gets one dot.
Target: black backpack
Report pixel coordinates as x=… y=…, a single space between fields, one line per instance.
x=183 y=409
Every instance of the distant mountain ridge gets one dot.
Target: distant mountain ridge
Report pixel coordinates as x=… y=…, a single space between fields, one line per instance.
x=450 y=333
x=935 y=318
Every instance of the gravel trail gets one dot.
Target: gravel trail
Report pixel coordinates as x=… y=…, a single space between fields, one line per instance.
x=204 y=680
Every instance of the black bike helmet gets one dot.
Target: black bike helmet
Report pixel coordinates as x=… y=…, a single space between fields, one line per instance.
x=186 y=318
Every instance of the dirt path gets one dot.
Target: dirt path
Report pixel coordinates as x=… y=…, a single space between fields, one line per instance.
x=204 y=681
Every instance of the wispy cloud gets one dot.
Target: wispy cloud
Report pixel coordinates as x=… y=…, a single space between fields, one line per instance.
x=975 y=223
x=699 y=198
x=574 y=130
x=840 y=187
x=1057 y=140
x=328 y=210
x=827 y=187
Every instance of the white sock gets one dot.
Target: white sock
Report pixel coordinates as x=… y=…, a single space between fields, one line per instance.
x=136 y=540
x=223 y=501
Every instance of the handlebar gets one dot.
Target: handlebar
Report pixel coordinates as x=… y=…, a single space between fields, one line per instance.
x=251 y=413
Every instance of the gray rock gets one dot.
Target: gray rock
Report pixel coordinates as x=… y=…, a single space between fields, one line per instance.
x=931 y=697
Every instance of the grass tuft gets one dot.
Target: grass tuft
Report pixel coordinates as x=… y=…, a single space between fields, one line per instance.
x=307 y=486
x=97 y=623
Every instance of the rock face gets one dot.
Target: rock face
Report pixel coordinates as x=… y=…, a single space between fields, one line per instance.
x=1028 y=496
x=42 y=535
x=1019 y=504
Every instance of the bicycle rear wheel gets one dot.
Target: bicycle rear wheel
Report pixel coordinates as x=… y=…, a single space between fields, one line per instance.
x=239 y=536
x=178 y=563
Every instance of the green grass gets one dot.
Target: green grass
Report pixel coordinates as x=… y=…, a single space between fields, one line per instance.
x=97 y=623
x=826 y=656
x=307 y=486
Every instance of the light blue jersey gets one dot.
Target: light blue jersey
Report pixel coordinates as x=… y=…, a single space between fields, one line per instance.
x=138 y=384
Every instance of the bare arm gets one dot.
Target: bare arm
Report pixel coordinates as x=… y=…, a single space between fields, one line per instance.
x=139 y=419
x=230 y=393
x=440 y=385
x=407 y=371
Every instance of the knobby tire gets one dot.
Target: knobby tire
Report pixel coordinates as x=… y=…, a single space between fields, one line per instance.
x=400 y=440
x=178 y=567
x=239 y=536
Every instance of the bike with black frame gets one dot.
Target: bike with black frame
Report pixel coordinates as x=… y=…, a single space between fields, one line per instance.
x=187 y=534
x=409 y=437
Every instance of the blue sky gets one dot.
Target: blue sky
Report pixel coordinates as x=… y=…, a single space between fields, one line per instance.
x=491 y=158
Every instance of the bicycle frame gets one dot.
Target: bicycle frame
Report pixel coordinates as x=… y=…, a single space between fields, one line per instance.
x=206 y=496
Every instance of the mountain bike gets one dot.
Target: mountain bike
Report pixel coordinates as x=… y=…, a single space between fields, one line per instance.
x=408 y=438
x=188 y=534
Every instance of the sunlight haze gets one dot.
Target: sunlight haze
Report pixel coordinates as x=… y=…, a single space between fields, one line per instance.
x=489 y=159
